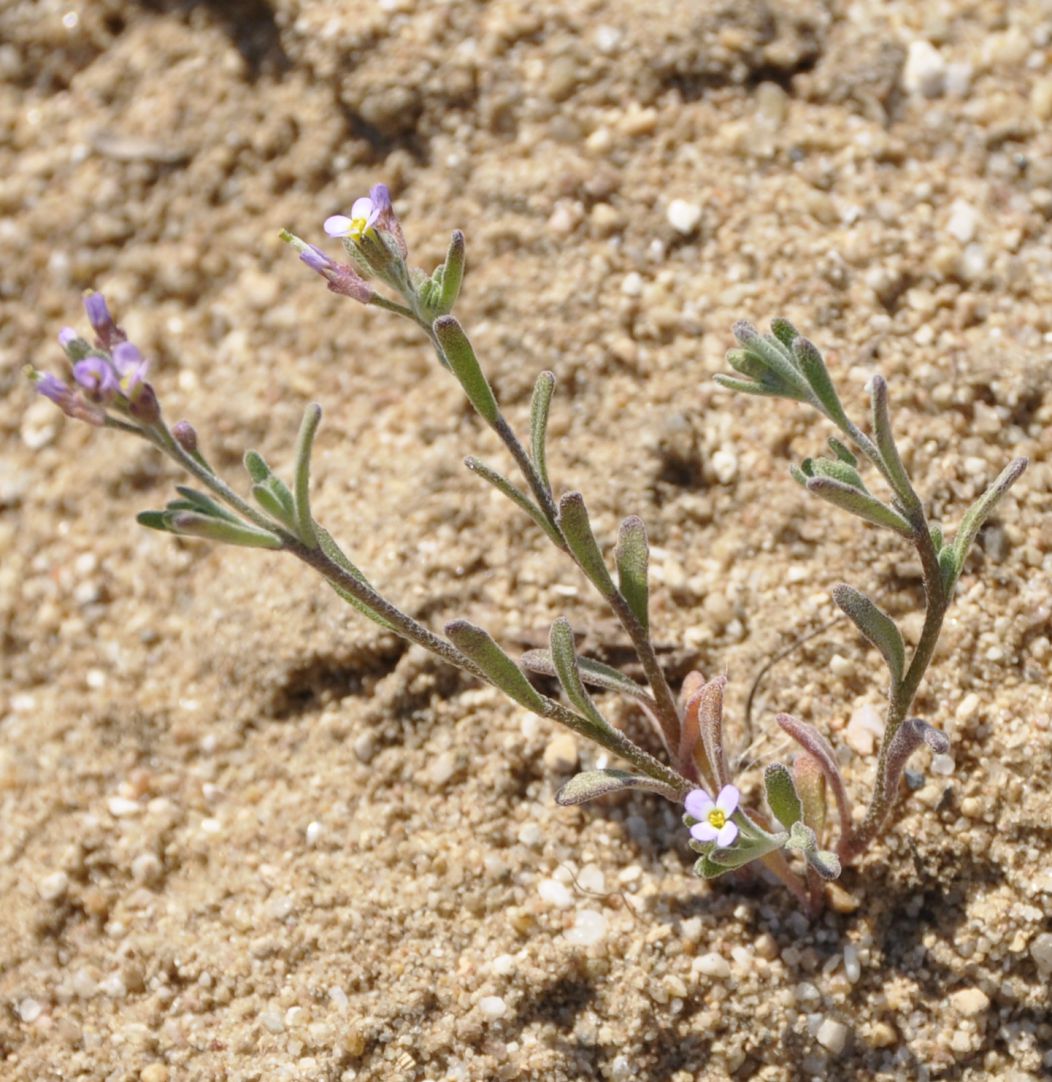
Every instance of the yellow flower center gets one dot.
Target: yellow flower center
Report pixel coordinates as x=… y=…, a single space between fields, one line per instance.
x=717 y=818
x=357 y=228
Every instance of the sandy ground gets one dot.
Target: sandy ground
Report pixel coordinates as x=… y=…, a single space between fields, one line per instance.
x=245 y=835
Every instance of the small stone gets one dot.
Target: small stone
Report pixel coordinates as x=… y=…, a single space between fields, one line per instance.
x=29 y=1010
x=924 y=73
x=852 y=968
x=632 y=284
x=84 y=984
x=364 y=747
x=273 y=1020
x=1041 y=99
x=684 y=217
x=712 y=965
x=970 y=1002
x=882 y=1035
x=555 y=894
x=591 y=878
x=864 y=729
x=942 y=765
x=964 y=221
x=154 y=1072
x=725 y=466
x=503 y=965
x=530 y=834
x=53 y=886
x=832 y=1035
x=1041 y=952
x=314 y=832
x=588 y=929
x=840 y=900
x=120 y=807
x=113 y=986
x=146 y=868
x=772 y=103
x=442 y=768
x=493 y=1007
x=560 y=756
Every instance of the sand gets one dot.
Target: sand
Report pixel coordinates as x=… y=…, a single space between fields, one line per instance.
x=245 y=834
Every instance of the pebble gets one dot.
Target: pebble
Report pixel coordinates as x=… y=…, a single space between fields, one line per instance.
x=154 y=1072
x=442 y=768
x=942 y=765
x=560 y=755
x=684 y=217
x=712 y=965
x=273 y=1020
x=852 y=968
x=832 y=1035
x=970 y=1002
x=591 y=878
x=963 y=222
x=632 y=284
x=589 y=928
x=555 y=894
x=725 y=466
x=120 y=807
x=864 y=729
x=1041 y=99
x=29 y=1010
x=53 y=886
x=146 y=868
x=503 y=965
x=493 y=1006
x=530 y=834
x=924 y=73
x=1041 y=952
x=314 y=832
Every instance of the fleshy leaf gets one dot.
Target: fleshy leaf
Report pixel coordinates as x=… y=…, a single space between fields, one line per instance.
x=564 y=657
x=907 y=739
x=889 y=453
x=816 y=745
x=781 y=794
x=876 y=625
x=810 y=362
x=592 y=672
x=576 y=528
x=198 y=501
x=842 y=451
x=210 y=528
x=516 y=495
x=859 y=503
x=479 y=646
x=452 y=274
x=825 y=862
x=632 y=555
x=301 y=472
x=784 y=331
x=540 y=404
x=978 y=513
x=839 y=471
x=465 y=366
x=811 y=787
x=596 y=783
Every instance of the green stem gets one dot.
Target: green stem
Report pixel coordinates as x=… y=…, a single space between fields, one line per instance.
x=901 y=695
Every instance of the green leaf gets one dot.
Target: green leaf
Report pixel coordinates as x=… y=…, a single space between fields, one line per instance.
x=592 y=672
x=707 y=868
x=301 y=471
x=782 y=797
x=948 y=567
x=516 y=495
x=811 y=364
x=779 y=361
x=839 y=471
x=743 y=386
x=337 y=555
x=889 y=453
x=632 y=556
x=540 y=404
x=576 y=528
x=981 y=510
x=198 y=501
x=842 y=451
x=452 y=275
x=876 y=625
x=784 y=331
x=935 y=530
x=465 y=366
x=196 y=524
x=257 y=466
x=798 y=475
x=810 y=785
x=499 y=669
x=825 y=862
x=154 y=520
x=859 y=503
x=564 y=657
x=274 y=506
x=596 y=783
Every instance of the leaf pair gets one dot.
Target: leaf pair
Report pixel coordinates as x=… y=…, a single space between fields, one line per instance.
x=838 y=482
x=198 y=515
x=791 y=811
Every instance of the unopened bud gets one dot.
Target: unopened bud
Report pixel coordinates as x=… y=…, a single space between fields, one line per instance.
x=185 y=435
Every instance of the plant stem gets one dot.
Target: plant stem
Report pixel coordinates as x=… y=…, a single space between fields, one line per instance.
x=901 y=695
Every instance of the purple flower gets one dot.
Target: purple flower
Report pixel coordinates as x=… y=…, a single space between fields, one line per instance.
x=68 y=400
x=342 y=278
x=372 y=212
x=107 y=332
x=95 y=375
x=714 y=817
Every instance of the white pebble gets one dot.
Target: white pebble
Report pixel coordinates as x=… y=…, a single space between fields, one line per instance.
x=29 y=1010
x=1041 y=952
x=621 y=1070
x=852 y=968
x=338 y=998
x=442 y=768
x=832 y=1035
x=314 y=832
x=113 y=986
x=591 y=878
x=84 y=984
x=120 y=807
x=503 y=965
x=555 y=893
x=589 y=928
x=529 y=725
x=924 y=73
x=683 y=216
x=146 y=868
x=712 y=965
x=493 y=1006
x=272 y=1020
x=281 y=906
x=863 y=729
x=560 y=756
x=725 y=466
x=53 y=886
x=530 y=834
x=211 y=826
x=364 y=747
x=293 y=1016
x=964 y=221
x=942 y=765
x=632 y=285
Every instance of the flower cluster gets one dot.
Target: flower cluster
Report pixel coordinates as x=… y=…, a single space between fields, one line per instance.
x=109 y=375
